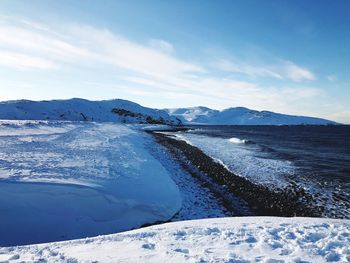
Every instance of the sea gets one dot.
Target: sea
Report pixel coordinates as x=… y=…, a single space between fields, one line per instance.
x=314 y=158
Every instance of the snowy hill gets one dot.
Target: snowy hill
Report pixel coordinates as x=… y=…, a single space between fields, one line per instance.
x=235 y=239
x=84 y=110
x=123 y=111
x=241 y=116
x=192 y=114
x=63 y=180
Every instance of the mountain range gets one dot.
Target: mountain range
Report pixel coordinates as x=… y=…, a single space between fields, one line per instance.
x=124 y=111
x=241 y=116
x=117 y=110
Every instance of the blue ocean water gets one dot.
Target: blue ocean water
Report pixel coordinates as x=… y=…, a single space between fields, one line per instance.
x=316 y=158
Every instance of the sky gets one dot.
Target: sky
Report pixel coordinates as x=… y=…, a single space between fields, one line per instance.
x=290 y=57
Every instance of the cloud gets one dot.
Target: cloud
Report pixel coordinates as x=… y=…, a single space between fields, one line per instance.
x=23 y=62
x=148 y=69
x=161 y=45
x=244 y=68
x=120 y=52
x=281 y=70
x=84 y=45
x=297 y=73
x=222 y=93
x=39 y=42
x=80 y=44
x=341 y=116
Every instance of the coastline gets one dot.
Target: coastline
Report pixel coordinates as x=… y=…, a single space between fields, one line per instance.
x=239 y=195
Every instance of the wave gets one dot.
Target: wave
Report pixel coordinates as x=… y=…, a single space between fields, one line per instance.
x=249 y=162
x=237 y=140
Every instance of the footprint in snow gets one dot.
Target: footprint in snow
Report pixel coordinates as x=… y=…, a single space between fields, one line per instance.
x=314 y=237
x=150 y=246
x=180 y=234
x=290 y=235
x=333 y=257
x=274 y=244
x=274 y=261
x=251 y=239
x=208 y=251
x=7 y=258
x=182 y=250
x=299 y=260
x=285 y=252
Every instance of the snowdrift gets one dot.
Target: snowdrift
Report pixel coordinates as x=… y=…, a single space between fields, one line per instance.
x=65 y=180
x=243 y=239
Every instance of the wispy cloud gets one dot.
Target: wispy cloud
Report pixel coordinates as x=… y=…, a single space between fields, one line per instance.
x=83 y=44
x=247 y=69
x=282 y=69
x=150 y=68
x=41 y=43
x=161 y=45
x=142 y=59
x=25 y=62
x=342 y=116
x=297 y=73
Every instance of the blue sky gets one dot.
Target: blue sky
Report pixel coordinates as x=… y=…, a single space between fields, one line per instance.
x=284 y=56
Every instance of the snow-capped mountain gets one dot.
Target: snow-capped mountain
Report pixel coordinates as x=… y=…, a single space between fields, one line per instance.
x=124 y=111
x=192 y=114
x=84 y=110
x=241 y=116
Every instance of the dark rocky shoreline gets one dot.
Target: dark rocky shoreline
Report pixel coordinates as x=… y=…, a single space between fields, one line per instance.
x=260 y=200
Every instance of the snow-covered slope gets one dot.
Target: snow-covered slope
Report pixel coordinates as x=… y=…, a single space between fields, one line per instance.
x=241 y=116
x=64 y=180
x=129 y=112
x=192 y=114
x=243 y=239
x=84 y=110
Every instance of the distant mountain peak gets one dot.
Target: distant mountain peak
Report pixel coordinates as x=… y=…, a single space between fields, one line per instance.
x=242 y=116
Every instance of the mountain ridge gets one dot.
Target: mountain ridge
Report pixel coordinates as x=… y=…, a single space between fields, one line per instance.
x=242 y=116
x=125 y=111
x=77 y=109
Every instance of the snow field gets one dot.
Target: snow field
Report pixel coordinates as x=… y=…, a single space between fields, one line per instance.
x=64 y=180
x=242 y=239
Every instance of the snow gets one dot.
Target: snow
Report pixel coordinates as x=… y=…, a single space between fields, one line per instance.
x=101 y=111
x=63 y=177
x=242 y=239
x=198 y=201
x=82 y=110
x=240 y=116
x=64 y=180
x=191 y=114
